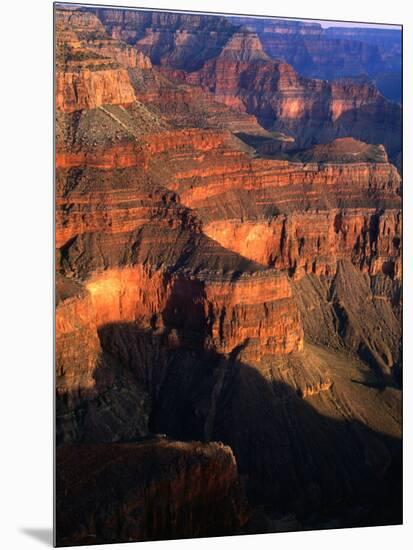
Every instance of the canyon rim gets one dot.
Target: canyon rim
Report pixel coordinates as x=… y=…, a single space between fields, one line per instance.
x=228 y=275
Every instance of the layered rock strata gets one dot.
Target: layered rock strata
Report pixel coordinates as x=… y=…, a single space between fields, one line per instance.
x=243 y=77
x=210 y=294
x=163 y=490
x=356 y=51
x=232 y=65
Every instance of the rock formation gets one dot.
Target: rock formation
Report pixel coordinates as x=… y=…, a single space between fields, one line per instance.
x=89 y=76
x=233 y=62
x=136 y=478
x=357 y=51
x=309 y=110
x=218 y=281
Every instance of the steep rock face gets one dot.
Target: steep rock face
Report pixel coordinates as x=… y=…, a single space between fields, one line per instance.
x=196 y=183
x=110 y=215
x=309 y=49
x=305 y=218
x=79 y=31
x=128 y=154
x=147 y=491
x=256 y=313
x=314 y=242
x=244 y=78
x=184 y=106
x=238 y=72
x=73 y=20
x=96 y=400
x=85 y=88
x=221 y=315
x=305 y=108
x=306 y=46
x=202 y=167
x=122 y=53
x=113 y=202
x=295 y=216
x=178 y=40
x=246 y=317
x=85 y=78
x=77 y=343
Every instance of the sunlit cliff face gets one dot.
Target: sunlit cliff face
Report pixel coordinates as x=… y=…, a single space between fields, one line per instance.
x=257 y=309
x=315 y=242
x=127 y=295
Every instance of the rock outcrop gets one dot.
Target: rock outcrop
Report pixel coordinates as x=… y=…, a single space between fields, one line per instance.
x=309 y=110
x=232 y=63
x=87 y=77
x=174 y=39
x=163 y=490
x=356 y=51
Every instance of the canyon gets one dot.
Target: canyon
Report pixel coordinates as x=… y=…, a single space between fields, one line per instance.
x=228 y=285
x=367 y=53
x=264 y=81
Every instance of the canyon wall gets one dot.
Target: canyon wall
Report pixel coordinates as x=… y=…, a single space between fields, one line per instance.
x=253 y=71
x=309 y=110
x=175 y=474
x=358 y=51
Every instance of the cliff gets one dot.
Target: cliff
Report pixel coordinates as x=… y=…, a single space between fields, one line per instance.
x=97 y=401
x=174 y=39
x=77 y=342
x=233 y=64
x=140 y=492
x=76 y=87
x=79 y=31
x=309 y=48
x=309 y=110
x=88 y=77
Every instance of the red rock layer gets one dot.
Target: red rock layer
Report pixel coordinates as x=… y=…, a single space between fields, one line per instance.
x=91 y=72
x=77 y=344
x=83 y=30
x=185 y=106
x=268 y=88
x=119 y=493
x=111 y=211
x=125 y=155
x=86 y=88
x=124 y=55
x=299 y=216
x=256 y=311
x=240 y=172
x=202 y=167
x=231 y=64
x=313 y=242
x=180 y=40
x=97 y=400
x=308 y=109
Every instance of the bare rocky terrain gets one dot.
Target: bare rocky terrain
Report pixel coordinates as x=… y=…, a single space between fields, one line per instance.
x=228 y=288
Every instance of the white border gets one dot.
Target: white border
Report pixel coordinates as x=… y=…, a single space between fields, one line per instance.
x=26 y=222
